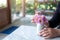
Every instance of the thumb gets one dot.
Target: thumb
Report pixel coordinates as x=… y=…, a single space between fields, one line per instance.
x=46 y=24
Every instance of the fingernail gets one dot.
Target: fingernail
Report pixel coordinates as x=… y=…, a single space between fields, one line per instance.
x=44 y=35
x=45 y=28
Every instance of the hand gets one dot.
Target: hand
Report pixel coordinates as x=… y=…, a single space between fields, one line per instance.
x=49 y=32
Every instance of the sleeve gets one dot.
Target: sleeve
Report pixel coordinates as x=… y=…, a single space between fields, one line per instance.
x=56 y=18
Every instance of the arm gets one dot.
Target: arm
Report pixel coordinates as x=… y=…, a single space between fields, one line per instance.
x=56 y=18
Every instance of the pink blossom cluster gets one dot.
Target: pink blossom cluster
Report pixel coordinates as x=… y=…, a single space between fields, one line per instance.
x=39 y=19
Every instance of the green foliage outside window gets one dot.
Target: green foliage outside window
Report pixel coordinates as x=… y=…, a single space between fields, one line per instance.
x=47 y=6
x=29 y=8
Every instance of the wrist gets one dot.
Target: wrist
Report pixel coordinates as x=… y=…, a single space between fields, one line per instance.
x=58 y=30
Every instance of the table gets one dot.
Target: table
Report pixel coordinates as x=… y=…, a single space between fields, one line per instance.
x=26 y=33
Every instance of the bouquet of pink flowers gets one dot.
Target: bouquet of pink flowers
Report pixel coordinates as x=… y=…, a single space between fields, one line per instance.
x=40 y=21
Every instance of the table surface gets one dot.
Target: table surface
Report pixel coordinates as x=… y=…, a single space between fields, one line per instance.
x=26 y=33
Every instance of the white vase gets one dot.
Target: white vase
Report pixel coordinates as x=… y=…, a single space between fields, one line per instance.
x=39 y=27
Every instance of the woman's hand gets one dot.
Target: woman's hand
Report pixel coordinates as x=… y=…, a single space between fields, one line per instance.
x=49 y=32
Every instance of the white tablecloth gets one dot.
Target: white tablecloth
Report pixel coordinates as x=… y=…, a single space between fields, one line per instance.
x=26 y=33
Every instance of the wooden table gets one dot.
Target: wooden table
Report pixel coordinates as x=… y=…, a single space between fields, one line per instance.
x=26 y=33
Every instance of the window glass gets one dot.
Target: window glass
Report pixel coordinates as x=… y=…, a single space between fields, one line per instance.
x=3 y=3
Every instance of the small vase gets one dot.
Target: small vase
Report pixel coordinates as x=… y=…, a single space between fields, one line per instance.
x=39 y=27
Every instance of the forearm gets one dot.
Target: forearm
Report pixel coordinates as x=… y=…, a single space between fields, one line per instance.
x=56 y=17
x=54 y=21
x=58 y=32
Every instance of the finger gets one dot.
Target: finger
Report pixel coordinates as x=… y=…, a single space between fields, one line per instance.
x=40 y=33
x=45 y=29
x=44 y=33
x=48 y=36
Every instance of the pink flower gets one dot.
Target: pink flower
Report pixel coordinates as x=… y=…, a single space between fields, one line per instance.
x=39 y=19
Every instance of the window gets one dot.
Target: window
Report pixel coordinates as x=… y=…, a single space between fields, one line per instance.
x=3 y=3
x=48 y=7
